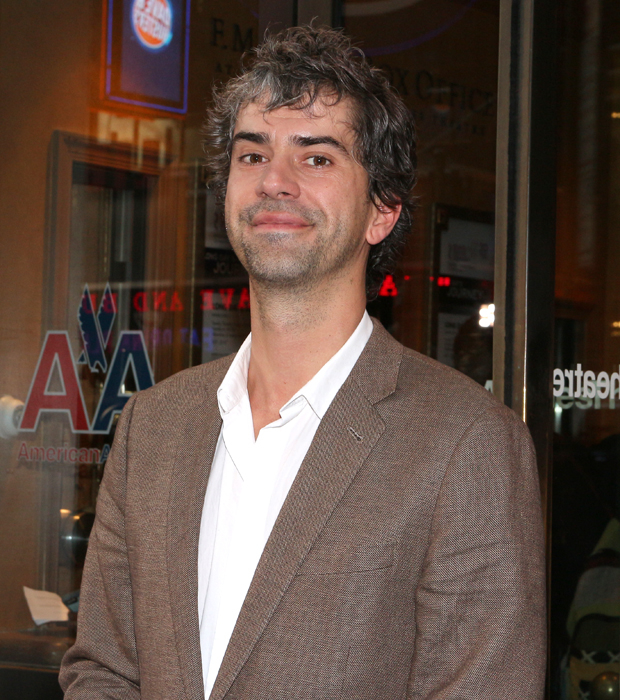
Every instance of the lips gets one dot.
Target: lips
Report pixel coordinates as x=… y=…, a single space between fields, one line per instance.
x=280 y=219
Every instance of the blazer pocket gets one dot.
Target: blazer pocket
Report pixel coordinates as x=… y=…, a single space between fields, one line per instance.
x=352 y=558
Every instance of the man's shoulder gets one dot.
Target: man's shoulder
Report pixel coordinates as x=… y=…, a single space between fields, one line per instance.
x=427 y=390
x=447 y=400
x=426 y=374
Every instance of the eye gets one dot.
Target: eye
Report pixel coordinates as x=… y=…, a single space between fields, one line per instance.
x=252 y=158
x=318 y=161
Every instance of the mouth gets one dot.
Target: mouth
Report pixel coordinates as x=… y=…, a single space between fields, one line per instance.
x=278 y=220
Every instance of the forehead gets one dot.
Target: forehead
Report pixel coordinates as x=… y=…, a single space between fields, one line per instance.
x=320 y=118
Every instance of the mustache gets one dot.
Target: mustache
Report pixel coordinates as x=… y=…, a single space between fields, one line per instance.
x=310 y=216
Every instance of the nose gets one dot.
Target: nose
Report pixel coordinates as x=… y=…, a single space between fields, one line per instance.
x=278 y=180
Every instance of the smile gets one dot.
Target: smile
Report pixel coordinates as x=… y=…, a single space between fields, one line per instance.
x=279 y=220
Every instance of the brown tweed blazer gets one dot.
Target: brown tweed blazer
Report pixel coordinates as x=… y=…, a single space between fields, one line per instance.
x=407 y=560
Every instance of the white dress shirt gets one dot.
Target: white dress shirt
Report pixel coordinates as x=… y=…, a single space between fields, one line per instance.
x=248 y=484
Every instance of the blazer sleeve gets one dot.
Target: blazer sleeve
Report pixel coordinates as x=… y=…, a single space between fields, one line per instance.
x=103 y=662
x=480 y=614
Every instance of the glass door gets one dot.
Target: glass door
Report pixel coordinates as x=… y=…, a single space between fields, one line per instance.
x=585 y=505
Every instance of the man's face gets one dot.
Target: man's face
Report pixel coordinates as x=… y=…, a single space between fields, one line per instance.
x=297 y=206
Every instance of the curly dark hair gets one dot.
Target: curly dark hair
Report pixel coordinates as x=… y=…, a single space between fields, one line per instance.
x=295 y=68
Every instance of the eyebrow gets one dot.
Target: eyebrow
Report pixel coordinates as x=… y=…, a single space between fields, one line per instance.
x=261 y=138
x=305 y=141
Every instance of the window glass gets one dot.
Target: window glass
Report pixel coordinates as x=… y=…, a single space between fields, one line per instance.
x=585 y=562
x=441 y=57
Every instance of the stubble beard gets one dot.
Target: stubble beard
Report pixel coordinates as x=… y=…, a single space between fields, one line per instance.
x=277 y=260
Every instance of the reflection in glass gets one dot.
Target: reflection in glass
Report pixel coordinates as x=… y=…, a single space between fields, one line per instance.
x=441 y=56
x=585 y=564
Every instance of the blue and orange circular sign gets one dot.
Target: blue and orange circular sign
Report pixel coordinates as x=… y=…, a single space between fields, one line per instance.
x=152 y=22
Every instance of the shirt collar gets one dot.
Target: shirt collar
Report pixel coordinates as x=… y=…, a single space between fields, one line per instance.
x=319 y=392
x=234 y=387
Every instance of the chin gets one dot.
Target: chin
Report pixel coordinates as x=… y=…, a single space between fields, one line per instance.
x=280 y=278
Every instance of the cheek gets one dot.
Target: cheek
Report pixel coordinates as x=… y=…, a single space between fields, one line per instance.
x=234 y=195
x=231 y=185
x=239 y=183
x=348 y=191
x=337 y=195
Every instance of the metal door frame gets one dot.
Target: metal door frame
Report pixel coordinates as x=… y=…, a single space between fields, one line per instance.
x=526 y=179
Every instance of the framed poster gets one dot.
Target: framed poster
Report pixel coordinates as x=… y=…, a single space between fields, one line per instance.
x=146 y=54
x=461 y=290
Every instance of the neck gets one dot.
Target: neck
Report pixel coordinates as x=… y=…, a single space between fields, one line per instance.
x=294 y=333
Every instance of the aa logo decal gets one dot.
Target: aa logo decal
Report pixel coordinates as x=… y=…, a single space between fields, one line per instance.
x=56 y=360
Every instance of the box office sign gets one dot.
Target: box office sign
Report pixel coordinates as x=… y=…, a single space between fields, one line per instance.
x=55 y=385
x=146 y=49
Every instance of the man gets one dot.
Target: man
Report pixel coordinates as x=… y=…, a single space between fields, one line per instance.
x=327 y=515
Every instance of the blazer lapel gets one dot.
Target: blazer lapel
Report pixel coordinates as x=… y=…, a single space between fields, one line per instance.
x=344 y=439
x=196 y=442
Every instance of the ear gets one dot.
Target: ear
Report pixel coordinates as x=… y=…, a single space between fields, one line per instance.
x=382 y=222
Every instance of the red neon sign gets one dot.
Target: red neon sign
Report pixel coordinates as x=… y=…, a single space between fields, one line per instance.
x=388 y=288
